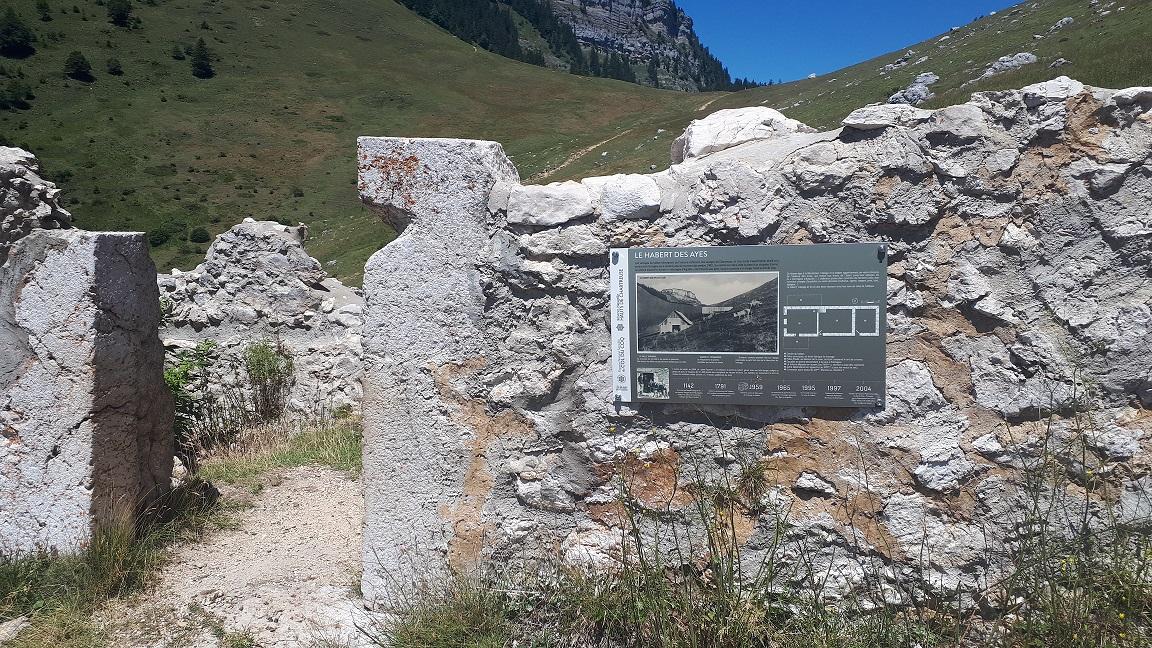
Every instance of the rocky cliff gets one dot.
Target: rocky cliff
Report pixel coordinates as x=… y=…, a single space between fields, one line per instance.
x=1019 y=294
x=646 y=31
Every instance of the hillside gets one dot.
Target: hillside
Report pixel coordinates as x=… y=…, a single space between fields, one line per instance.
x=1107 y=44
x=272 y=135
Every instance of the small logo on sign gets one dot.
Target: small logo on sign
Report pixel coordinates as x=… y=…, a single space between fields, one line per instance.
x=619 y=327
x=615 y=257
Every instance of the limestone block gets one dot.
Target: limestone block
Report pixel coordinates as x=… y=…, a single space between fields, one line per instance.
x=85 y=413
x=547 y=205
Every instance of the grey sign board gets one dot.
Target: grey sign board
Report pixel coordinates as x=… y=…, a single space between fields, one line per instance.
x=750 y=325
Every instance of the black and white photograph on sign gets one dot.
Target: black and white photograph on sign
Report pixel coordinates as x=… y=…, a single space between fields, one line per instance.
x=715 y=312
x=652 y=383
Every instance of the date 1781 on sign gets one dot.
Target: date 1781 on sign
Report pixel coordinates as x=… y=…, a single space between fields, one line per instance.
x=750 y=325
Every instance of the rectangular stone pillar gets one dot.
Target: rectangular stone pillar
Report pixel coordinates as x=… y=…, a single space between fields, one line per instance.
x=85 y=415
x=425 y=475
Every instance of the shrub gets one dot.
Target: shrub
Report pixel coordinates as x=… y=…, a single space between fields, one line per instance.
x=199 y=235
x=16 y=39
x=157 y=237
x=187 y=379
x=16 y=94
x=113 y=67
x=270 y=368
x=77 y=67
x=120 y=12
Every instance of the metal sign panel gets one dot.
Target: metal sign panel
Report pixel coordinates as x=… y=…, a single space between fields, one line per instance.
x=750 y=325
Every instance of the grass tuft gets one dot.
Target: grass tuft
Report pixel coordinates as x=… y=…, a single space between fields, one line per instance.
x=264 y=448
x=60 y=592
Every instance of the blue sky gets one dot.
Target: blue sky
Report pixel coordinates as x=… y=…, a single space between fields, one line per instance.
x=786 y=40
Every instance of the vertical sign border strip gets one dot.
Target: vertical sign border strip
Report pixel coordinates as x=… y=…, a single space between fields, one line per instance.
x=620 y=317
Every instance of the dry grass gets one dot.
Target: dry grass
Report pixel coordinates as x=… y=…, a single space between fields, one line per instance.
x=264 y=448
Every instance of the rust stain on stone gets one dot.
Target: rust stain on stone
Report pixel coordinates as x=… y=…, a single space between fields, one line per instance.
x=826 y=447
x=469 y=529
x=655 y=481
x=638 y=235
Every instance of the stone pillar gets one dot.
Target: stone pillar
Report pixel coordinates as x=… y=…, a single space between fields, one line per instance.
x=424 y=304
x=85 y=416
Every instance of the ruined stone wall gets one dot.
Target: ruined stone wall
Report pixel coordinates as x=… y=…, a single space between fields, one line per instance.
x=1020 y=239
x=27 y=201
x=258 y=282
x=85 y=414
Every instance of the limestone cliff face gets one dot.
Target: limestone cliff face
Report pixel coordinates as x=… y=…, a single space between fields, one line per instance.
x=1019 y=239
x=642 y=30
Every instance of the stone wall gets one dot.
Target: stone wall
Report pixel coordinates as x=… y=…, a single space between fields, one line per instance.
x=257 y=281
x=1020 y=241
x=85 y=414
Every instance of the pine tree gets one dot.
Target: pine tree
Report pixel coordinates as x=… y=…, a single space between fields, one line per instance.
x=120 y=12
x=16 y=39
x=202 y=61
x=44 y=9
x=177 y=52
x=77 y=67
x=594 y=67
x=654 y=72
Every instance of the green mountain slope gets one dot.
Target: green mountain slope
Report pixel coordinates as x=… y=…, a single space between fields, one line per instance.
x=272 y=136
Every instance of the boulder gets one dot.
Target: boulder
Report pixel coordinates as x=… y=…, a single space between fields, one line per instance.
x=1006 y=63
x=917 y=92
x=727 y=128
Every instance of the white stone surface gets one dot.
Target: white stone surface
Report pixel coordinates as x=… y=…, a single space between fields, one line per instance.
x=547 y=205
x=424 y=322
x=727 y=128
x=85 y=414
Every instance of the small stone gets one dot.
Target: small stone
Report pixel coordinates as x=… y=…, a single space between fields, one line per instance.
x=813 y=483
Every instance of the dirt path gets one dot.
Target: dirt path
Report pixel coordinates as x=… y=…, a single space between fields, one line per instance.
x=576 y=156
x=286 y=576
x=711 y=101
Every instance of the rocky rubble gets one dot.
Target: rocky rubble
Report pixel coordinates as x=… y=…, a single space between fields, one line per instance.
x=917 y=92
x=1006 y=63
x=257 y=281
x=1020 y=243
x=27 y=201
